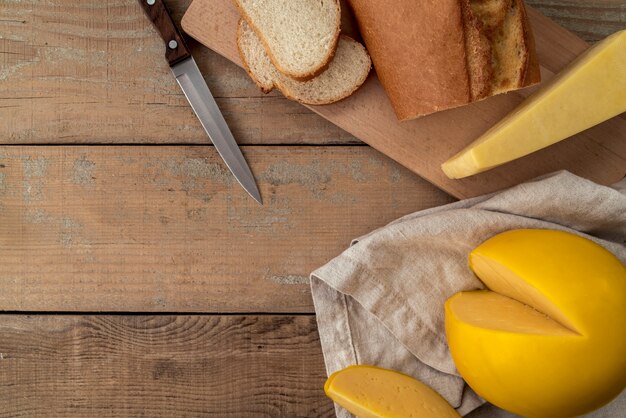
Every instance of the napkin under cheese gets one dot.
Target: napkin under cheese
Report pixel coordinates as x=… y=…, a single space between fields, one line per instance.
x=381 y=301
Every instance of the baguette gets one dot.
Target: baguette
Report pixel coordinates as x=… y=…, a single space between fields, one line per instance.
x=447 y=53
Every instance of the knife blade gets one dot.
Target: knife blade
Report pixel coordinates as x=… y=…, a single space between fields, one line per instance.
x=199 y=96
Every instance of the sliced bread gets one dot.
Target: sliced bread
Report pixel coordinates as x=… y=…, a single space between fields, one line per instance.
x=299 y=36
x=346 y=72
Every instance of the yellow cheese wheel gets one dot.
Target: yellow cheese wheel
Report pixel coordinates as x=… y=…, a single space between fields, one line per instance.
x=373 y=392
x=591 y=90
x=548 y=339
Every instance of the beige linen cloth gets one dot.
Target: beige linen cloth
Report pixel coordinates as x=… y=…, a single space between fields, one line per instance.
x=381 y=301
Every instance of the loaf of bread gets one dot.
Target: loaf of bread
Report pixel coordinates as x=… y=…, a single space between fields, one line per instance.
x=346 y=72
x=439 y=54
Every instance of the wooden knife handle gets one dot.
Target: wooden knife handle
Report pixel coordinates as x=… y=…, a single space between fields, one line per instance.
x=176 y=49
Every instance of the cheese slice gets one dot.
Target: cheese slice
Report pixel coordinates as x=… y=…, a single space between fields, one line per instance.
x=548 y=339
x=504 y=314
x=591 y=90
x=373 y=392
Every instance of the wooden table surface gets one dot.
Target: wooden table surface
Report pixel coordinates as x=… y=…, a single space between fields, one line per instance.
x=136 y=277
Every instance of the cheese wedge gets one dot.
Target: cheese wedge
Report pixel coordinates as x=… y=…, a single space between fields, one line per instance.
x=548 y=339
x=591 y=90
x=372 y=392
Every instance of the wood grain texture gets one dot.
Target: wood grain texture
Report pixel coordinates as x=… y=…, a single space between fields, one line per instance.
x=93 y=72
x=226 y=366
x=104 y=228
x=164 y=228
x=423 y=144
x=591 y=20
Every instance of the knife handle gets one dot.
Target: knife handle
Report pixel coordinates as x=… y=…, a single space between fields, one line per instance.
x=176 y=49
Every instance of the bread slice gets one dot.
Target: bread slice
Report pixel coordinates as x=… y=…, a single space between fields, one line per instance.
x=346 y=72
x=299 y=36
x=447 y=53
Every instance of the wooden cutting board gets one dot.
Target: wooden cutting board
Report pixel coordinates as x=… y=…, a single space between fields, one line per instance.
x=423 y=144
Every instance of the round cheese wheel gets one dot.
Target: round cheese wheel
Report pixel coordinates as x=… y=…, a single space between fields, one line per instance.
x=548 y=337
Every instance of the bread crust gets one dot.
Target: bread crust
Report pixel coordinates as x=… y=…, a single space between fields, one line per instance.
x=422 y=66
x=284 y=89
x=296 y=76
x=444 y=55
x=478 y=54
x=532 y=70
x=288 y=94
x=246 y=67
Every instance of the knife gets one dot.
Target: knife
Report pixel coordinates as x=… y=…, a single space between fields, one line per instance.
x=202 y=102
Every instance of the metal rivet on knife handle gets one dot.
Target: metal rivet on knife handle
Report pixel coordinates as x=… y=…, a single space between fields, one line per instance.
x=175 y=48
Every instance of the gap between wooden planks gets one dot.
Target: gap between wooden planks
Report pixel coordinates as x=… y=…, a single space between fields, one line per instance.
x=161 y=365
x=149 y=229
x=60 y=83
x=234 y=366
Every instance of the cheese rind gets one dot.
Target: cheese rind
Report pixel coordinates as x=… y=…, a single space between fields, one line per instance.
x=548 y=338
x=591 y=90
x=373 y=392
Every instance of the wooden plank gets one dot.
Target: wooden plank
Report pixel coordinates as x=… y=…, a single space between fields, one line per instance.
x=103 y=228
x=94 y=72
x=227 y=366
x=425 y=143
x=591 y=20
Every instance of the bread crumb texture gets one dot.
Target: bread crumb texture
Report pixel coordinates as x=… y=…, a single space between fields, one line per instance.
x=346 y=73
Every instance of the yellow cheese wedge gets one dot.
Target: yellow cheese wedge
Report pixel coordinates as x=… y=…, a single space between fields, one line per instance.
x=591 y=90
x=372 y=392
x=548 y=339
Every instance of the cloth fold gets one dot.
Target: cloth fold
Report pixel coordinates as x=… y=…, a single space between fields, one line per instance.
x=381 y=301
